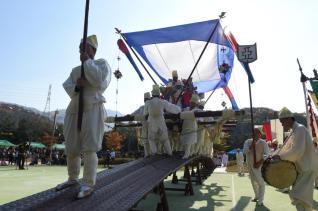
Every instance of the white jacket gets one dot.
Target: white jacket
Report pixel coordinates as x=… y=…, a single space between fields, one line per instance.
x=155 y=108
x=299 y=149
x=98 y=75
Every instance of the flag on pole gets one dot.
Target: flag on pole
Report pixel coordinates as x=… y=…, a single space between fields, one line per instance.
x=231 y=97
x=246 y=66
x=122 y=46
x=312 y=119
x=313 y=98
x=267 y=130
x=232 y=40
x=314 y=85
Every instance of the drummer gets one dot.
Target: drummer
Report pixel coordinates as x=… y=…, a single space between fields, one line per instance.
x=254 y=169
x=299 y=148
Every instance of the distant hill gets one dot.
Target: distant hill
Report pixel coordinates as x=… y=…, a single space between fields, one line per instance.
x=61 y=114
x=19 y=123
x=242 y=131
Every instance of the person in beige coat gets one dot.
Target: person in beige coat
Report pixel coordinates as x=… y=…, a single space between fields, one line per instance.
x=157 y=129
x=88 y=140
x=239 y=162
x=254 y=169
x=299 y=149
x=189 y=127
x=144 y=129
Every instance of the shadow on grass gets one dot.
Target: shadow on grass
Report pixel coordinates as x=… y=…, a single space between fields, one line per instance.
x=242 y=203
x=206 y=198
x=203 y=198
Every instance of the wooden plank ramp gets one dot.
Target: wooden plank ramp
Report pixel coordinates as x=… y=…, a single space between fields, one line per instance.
x=116 y=189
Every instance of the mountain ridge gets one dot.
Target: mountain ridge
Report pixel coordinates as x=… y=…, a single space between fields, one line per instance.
x=61 y=112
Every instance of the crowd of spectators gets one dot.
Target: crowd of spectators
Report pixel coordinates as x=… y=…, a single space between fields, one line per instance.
x=31 y=156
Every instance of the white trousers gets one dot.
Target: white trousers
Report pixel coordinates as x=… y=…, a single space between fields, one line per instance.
x=257 y=183
x=90 y=167
x=240 y=167
x=160 y=135
x=146 y=149
x=187 y=150
x=166 y=146
x=302 y=190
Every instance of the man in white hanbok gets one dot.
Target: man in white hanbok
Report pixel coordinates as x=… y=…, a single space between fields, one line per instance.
x=239 y=162
x=189 y=127
x=254 y=169
x=299 y=149
x=144 y=129
x=157 y=129
x=225 y=159
x=198 y=147
x=88 y=140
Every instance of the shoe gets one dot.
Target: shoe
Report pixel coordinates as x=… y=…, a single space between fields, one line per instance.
x=259 y=204
x=254 y=200
x=66 y=184
x=85 y=191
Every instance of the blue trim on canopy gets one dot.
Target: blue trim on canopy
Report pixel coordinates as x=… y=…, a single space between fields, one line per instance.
x=199 y=31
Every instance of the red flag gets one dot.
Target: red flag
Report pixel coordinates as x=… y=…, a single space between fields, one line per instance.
x=122 y=46
x=232 y=40
x=124 y=49
x=267 y=131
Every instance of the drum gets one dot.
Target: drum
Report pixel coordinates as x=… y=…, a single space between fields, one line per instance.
x=279 y=173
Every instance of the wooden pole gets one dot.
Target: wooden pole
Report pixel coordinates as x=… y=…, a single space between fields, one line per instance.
x=303 y=80
x=252 y=121
x=81 y=89
x=52 y=137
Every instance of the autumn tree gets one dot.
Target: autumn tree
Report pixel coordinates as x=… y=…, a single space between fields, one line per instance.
x=114 y=140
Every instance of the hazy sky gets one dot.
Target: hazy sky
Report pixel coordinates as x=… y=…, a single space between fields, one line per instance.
x=40 y=47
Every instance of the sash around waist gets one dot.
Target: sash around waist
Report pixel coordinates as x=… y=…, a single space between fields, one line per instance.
x=89 y=101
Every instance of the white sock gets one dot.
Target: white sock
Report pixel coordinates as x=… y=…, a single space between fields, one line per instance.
x=73 y=166
x=90 y=168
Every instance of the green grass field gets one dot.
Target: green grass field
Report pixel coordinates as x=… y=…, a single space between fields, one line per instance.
x=16 y=184
x=221 y=191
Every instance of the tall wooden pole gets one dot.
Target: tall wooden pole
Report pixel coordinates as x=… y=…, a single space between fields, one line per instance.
x=303 y=80
x=52 y=137
x=252 y=121
x=81 y=89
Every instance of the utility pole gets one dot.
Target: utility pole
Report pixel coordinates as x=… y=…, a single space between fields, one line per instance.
x=47 y=108
x=52 y=136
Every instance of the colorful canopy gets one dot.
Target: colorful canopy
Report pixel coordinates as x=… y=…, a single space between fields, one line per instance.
x=37 y=145
x=179 y=48
x=233 y=151
x=5 y=143
x=58 y=147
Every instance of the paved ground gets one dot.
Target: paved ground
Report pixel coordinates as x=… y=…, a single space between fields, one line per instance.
x=221 y=191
